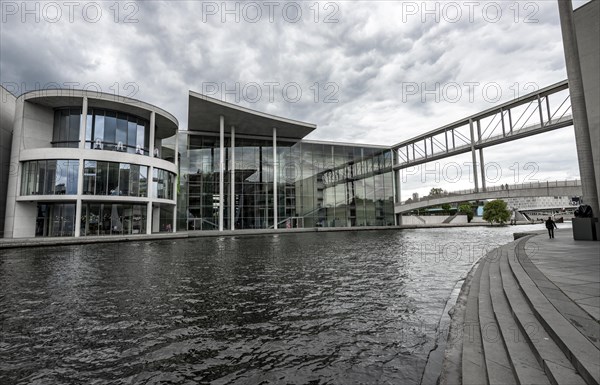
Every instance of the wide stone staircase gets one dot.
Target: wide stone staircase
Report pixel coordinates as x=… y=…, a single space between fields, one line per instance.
x=519 y=328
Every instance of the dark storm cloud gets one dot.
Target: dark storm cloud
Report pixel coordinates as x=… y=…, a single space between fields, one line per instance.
x=361 y=64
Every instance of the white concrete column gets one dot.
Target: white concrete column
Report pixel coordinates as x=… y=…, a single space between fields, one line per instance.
x=83 y=123
x=150 y=181
x=152 y=133
x=176 y=184
x=78 y=203
x=221 y=169
x=473 y=155
x=275 y=170
x=232 y=181
x=481 y=164
x=177 y=149
x=482 y=168
x=80 y=168
x=581 y=126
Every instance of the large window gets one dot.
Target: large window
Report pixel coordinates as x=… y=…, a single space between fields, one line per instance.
x=49 y=177
x=162 y=184
x=66 y=127
x=113 y=219
x=111 y=178
x=55 y=220
x=116 y=131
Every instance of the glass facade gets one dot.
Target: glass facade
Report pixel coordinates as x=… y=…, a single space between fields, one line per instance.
x=55 y=220
x=318 y=184
x=49 y=177
x=112 y=178
x=66 y=127
x=116 y=131
x=163 y=182
x=112 y=219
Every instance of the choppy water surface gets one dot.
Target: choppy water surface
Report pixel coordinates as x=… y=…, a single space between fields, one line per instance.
x=326 y=308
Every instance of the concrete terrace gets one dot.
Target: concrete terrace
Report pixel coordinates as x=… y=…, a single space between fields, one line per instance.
x=529 y=313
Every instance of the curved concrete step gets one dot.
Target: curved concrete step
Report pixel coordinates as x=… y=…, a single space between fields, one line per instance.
x=582 y=354
x=497 y=363
x=473 y=364
x=522 y=359
x=555 y=364
x=578 y=317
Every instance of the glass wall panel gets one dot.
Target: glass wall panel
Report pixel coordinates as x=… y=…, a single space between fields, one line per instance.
x=49 y=177
x=102 y=178
x=318 y=184
x=117 y=131
x=124 y=175
x=113 y=179
x=89 y=177
x=113 y=219
x=98 y=132
x=55 y=220
x=110 y=130
x=132 y=135
x=66 y=127
x=122 y=130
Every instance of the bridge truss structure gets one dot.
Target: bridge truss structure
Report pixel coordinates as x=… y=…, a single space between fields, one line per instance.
x=541 y=111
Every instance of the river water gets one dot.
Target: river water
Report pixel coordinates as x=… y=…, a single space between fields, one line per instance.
x=319 y=308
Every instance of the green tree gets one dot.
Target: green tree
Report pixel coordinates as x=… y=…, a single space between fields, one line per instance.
x=466 y=208
x=446 y=207
x=496 y=212
x=436 y=191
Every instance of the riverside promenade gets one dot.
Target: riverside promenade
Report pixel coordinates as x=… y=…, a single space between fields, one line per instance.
x=528 y=313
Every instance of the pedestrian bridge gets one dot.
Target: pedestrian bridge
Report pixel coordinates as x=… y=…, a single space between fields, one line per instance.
x=535 y=189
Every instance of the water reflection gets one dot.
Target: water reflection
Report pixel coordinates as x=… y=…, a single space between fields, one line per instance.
x=327 y=308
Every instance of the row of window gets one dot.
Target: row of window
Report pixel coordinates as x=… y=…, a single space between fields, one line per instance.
x=59 y=177
x=105 y=130
x=49 y=177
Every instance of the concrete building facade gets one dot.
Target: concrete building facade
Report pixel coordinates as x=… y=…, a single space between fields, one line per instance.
x=587 y=28
x=88 y=163
x=7 y=115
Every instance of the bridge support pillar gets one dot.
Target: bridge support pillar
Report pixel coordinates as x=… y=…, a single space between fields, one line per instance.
x=482 y=168
x=473 y=155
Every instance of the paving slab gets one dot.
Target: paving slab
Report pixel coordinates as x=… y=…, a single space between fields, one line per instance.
x=573 y=266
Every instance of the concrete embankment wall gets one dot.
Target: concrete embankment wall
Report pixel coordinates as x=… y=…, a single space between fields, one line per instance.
x=431 y=219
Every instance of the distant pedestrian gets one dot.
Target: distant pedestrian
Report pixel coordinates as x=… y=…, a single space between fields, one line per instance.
x=550 y=225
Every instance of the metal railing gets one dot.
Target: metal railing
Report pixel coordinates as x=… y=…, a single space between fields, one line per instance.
x=504 y=187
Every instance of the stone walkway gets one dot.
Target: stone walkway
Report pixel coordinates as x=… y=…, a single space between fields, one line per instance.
x=528 y=314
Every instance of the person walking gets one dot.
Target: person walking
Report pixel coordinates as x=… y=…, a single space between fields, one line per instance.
x=550 y=225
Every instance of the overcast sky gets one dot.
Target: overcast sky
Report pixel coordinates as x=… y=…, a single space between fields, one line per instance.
x=357 y=69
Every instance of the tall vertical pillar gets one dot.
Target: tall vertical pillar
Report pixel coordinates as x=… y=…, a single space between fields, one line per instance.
x=82 y=127
x=232 y=181
x=152 y=133
x=473 y=155
x=580 y=117
x=221 y=169
x=78 y=203
x=482 y=169
x=150 y=182
x=481 y=164
x=176 y=183
x=83 y=123
x=275 y=171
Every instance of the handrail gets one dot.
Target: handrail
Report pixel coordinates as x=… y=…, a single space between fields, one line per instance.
x=513 y=187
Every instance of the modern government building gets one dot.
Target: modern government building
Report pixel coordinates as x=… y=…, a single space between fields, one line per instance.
x=88 y=164
x=75 y=163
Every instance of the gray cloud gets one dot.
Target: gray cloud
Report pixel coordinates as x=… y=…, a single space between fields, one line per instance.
x=363 y=62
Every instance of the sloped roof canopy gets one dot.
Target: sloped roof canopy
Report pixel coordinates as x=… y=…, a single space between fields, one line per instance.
x=204 y=115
